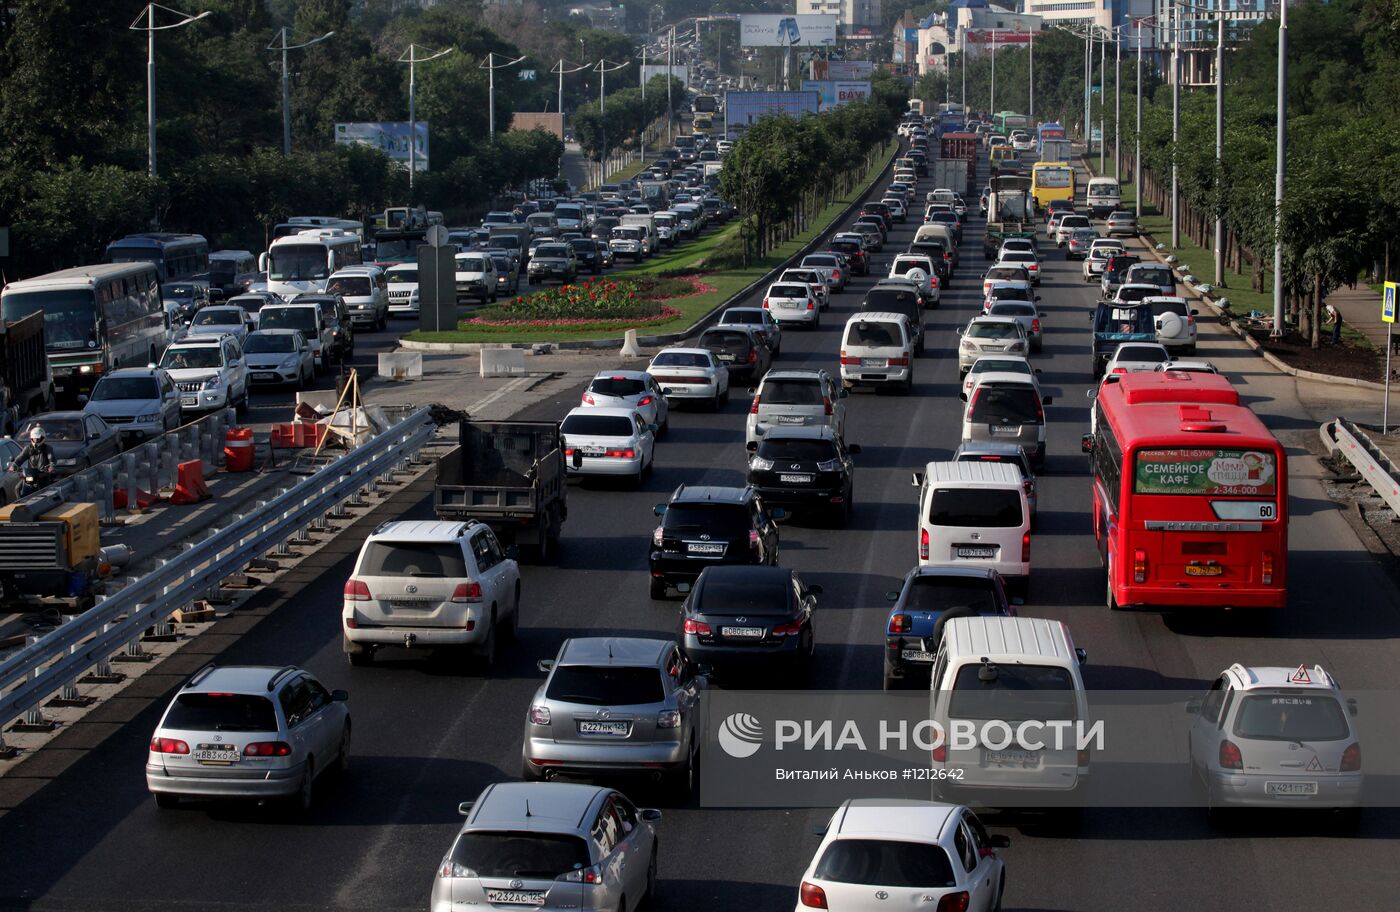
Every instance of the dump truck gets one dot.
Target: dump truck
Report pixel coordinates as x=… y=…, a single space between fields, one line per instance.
x=511 y=476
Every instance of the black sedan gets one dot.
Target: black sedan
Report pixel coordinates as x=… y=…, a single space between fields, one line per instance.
x=751 y=617
x=805 y=468
x=79 y=440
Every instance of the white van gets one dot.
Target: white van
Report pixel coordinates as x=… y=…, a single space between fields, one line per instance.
x=1103 y=196
x=1010 y=668
x=876 y=350
x=975 y=514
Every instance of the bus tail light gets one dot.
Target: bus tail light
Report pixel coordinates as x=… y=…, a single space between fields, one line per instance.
x=923 y=544
x=1139 y=566
x=1266 y=572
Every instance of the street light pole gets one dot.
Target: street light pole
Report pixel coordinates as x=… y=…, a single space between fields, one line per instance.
x=962 y=56
x=1281 y=172
x=1118 y=104
x=1030 y=88
x=992 y=101
x=1176 y=122
x=150 y=28
x=413 y=60
x=1103 y=134
x=286 y=82
x=603 y=69
x=1220 y=146
x=562 y=70
x=670 y=63
x=491 y=66
x=1137 y=154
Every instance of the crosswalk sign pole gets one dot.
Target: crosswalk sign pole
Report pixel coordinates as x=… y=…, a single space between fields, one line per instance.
x=1388 y=318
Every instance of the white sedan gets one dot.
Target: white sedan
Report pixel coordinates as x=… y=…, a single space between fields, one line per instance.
x=1135 y=357
x=691 y=374
x=608 y=441
x=878 y=856
x=629 y=389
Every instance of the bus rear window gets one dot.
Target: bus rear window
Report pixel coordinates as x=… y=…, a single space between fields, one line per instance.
x=1212 y=472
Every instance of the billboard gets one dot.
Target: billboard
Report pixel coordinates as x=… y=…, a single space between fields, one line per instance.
x=744 y=108
x=834 y=94
x=842 y=70
x=389 y=137
x=787 y=31
x=652 y=70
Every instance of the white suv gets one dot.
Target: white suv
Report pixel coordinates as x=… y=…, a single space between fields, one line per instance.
x=430 y=583
x=403 y=289
x=366 y=293
x=210 y=373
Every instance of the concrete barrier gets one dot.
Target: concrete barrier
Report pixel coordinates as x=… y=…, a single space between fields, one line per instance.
x=630 y=348
x=401 y=365
x=502 y=362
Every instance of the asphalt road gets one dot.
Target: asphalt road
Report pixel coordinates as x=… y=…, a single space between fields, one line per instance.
x=429 y=735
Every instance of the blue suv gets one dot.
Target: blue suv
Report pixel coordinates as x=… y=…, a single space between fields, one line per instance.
x=929 y=598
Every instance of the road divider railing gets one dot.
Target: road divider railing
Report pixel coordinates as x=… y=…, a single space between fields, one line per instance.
x=54 y=662
x=1376 y=469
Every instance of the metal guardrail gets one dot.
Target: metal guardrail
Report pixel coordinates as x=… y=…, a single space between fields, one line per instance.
x=53 y=663
x=1375 y=467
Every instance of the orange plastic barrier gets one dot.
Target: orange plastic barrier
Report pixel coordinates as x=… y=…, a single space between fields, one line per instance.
x=296 y=436
x=144 y=499
x=238 y=449
x=189 y=483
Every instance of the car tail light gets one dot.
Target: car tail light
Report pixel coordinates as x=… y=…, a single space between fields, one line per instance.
x=753 y=356
x=812 y=896
x=1266 y=571
x=826 y=404
x=1139 y=566
x=765 y=303
x=591 y=875
x=1082 y=757
x=1039 y=409
x=268 y=749
x=954 y=902
x=466 y=592
x=850 y=361
x=1035 y=326
x=1351 y=759
x=568 y=451
x=923 y=544
x=645 y=400
x=790 y=629
x=753 y=407
x=356 y=591
x=696 y=628
x=173 y=746
x=588 y=400
x=1025 y=547
x=940 y=753
x=1230 y=756
x=621 y=454
x=901 y=623
x=898 y=362
x=811 y=305
x=836 y=274
x=656 y=536
x=1120 y=370
x=753 y=539
x=539 y=715
x=668 y=718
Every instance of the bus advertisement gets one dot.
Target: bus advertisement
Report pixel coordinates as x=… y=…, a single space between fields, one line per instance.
x=1190 y=495
x=1051 y=181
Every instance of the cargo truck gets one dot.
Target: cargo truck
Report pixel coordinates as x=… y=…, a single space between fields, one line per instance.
x=953 y=174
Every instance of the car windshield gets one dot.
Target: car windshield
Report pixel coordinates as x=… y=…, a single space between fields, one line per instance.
x=1297 y=716
x=502 y=264
x=209 y=317
x=70 y=315
x=681 y=359
x=885 y=335
x=939 y=593
x=610 y=685
x=886 y=863
x=1153 y=353
x=221 y=712
x=472 y=264
x=826 y=261
x=767 y=596
x=125 y=388
x=583 y=246
x=303 y=318
x=742 y=317
x=796 y=449
x=542 y=856
x=1013 y=693
x=1163 y=307
x=1004 y=308
x=1017 y=404
x=904 y=267
x=1152 y=275
x=616 y=386
x=1113 y=319
x=552 y=250
x=196 y=356
x=350 y=286
x=1000 y=365
x=1010 y=293
x=791 y=391
x=724 y=339
x=269 y=343
x=181 y=291
x=1005 y=273
x=568 y=211
x=586 y=425
x=726 y=520
x=1018 y=256
x=404 y=276
x=998 y=508
x=55 y=428
x=996 y=330
x=410 y=558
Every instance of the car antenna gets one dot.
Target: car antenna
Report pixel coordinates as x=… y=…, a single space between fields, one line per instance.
x=527 y=808
x=610 y=655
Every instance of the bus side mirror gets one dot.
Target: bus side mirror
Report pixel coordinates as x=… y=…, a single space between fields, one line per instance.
x=262 y=262
x=1086 y=443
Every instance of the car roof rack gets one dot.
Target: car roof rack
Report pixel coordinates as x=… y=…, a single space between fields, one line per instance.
x=200 y=674
x=279 y=675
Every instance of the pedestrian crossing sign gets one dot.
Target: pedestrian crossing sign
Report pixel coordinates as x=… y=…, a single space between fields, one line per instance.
x=1388 y=302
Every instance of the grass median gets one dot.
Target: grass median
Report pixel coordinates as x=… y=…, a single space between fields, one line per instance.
x=691 y=308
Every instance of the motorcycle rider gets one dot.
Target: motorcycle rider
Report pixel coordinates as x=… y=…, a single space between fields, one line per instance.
x=37 y=458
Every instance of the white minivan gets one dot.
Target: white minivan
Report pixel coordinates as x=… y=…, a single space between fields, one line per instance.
x=1021 y=668
x=1103 y=196
x=877 y=350
x=975 y=514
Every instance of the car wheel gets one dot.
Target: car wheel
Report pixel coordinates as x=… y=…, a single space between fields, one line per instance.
x=357 y=654
x=891 y=680
x=166 y=801
x=1109 y=599
x=306 y=793
x=658 y=588
x=241 y=406
x=1001 y=892
x=683 y=781
x=716 y=404
x=649 y=897
x=342 y=760
x=486 y=652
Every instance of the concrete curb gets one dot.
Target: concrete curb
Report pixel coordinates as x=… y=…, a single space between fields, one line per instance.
x=667 y=338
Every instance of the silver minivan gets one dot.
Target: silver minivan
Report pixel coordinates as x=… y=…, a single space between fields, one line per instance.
x=795 y=398
x=1007 y=408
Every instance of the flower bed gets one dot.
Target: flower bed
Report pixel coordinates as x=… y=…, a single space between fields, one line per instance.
x=600 y=303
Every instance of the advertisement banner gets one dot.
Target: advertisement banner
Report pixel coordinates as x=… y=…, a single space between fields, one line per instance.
x=389 y=137
x=679 y=71
x=834 y=94
x=787 y=31
x=847 y=70
x=1206 y=471
x=744 y=108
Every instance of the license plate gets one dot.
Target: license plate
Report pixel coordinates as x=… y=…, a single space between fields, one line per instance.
x=872 y=362
x=795 y=479
x=611 y=729
x=1204 y=569
x=788 y=305
x=515 y=897
x=977 y=552
x=264 y=375
x=1291 y=788
x=705 y=548
x=592 y=451
x=789 y=419
x=214 y=753
x=1011 y=758
x=1006 y=430
x=189 y=401
x=725 y=357
x=915 y=655
x=750 y=633
x=410 y=604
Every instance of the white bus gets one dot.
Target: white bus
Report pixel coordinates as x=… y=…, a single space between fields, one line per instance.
x=302 y=262
x=96 y=319
x=299 y=223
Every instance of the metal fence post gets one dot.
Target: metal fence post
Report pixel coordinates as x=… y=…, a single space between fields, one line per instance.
x=129 y=473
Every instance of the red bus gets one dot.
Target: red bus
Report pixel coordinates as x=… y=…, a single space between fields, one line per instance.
x=1190 y=495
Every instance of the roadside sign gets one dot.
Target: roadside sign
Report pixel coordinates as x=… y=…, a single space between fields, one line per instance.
x=526 y=75
x=1388 y=302
x=436 y=236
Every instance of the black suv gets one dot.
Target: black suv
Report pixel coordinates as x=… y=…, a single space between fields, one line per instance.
x=337 y=315
x=703 y=526
x=807 y=468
